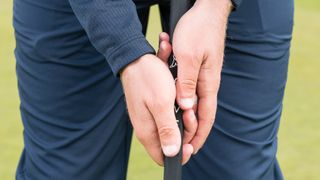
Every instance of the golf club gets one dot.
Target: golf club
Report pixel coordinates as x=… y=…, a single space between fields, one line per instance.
x=172 y=165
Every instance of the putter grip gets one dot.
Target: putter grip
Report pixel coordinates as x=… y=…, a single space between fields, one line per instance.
x=172 y=165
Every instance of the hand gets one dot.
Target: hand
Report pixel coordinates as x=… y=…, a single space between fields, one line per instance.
x=150 y=95
x=198 y=44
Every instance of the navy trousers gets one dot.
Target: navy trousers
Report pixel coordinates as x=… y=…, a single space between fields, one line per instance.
x=243 y=142
x=73 y=109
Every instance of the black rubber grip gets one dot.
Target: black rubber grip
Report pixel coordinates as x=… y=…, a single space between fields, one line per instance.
x=172 y=165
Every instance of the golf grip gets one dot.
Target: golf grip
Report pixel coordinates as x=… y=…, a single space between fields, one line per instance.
x=172 y=165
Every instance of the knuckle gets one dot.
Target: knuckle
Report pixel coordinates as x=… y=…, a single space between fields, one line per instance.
x=162 y=103
x=209 y=121
x=188 y=136
x=189 y=84
x=166 y=132
x=190 y=132
x=159 y=163
x=202 y=138
x=144 y=137
x=195 y=55
x=210 y=87
x=141 y=136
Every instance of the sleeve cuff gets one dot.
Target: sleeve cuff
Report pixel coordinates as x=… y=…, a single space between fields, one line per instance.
x=236 y=3
x=128 y=52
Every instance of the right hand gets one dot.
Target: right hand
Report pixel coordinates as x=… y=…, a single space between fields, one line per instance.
x=150 y=96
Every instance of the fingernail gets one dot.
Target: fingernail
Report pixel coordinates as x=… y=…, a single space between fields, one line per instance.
x=195 y=152
x=170 y=150
x=186 y=102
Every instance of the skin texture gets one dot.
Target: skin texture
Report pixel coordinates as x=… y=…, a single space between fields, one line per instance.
x=150 y=89
x=151 y=110
x=199 y=66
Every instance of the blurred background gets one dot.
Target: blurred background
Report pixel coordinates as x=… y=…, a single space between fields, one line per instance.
x=299 y=136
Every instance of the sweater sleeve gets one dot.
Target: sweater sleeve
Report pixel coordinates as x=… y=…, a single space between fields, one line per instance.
x=236 y=3
x=114 y=29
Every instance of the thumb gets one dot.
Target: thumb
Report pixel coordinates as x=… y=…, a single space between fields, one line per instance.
x=168 y=130
x=164 y=51
x=188 y=71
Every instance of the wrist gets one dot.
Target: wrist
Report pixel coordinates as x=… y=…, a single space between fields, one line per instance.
x=132 y=68
x=224 y=5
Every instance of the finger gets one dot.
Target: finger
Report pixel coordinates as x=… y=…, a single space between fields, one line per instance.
x=144 y=125
x=163 y=36
x=188 y=71
x=163 y=113
x=152 y=145
x=205 y=122
x=146 y=132
x=190 y=125
x=208 y=85
x=164 y=51
x=187 y=152
x=195 y=105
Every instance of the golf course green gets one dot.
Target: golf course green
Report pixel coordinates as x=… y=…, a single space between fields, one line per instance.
x=299 y=135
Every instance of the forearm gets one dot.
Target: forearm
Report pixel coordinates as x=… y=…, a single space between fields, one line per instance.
x=233 y=3
x=215 y=13
x=222 y=8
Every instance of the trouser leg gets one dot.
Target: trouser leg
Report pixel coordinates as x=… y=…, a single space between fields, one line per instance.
x=243 y=142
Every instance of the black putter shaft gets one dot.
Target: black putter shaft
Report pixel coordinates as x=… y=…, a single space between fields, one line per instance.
x=172 y=165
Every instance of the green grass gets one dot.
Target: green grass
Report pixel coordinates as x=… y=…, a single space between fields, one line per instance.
x=299 y=136
x=10 y=124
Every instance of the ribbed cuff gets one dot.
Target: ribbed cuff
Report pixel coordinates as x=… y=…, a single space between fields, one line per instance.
x=128 y=52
